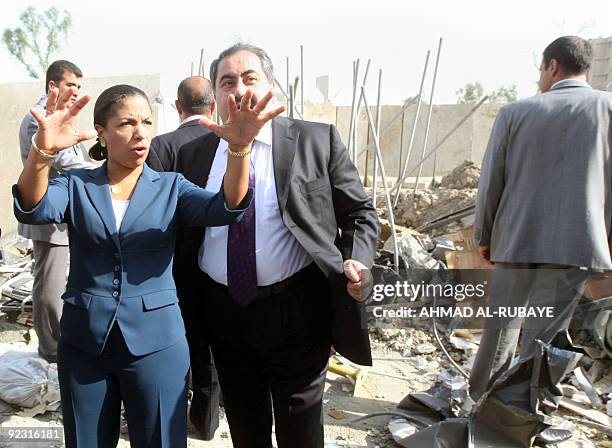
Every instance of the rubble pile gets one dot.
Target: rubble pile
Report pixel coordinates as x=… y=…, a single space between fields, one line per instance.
x=16 y=280
x=456 y=191
x=464 y=176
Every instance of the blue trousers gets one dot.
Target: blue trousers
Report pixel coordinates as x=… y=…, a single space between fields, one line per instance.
x=153 y=389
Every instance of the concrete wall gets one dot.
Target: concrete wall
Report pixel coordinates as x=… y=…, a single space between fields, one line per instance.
x=15 y=101
x=600 y=75
x=467 y=143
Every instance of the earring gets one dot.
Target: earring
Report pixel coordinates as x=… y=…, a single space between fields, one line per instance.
x=102 y=142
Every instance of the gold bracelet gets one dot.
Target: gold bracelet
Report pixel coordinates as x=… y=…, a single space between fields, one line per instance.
x=40 y=151
x=240 y=155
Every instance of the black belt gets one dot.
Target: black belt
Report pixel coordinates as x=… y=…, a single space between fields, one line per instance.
x=275 y=288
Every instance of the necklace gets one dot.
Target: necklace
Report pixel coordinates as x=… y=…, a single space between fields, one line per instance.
x=115 y=189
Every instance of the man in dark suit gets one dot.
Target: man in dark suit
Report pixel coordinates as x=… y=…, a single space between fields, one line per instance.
x=286 y=284
x=195 y=99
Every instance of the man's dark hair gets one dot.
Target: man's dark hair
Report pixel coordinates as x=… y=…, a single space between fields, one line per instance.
x=195 y=100
x=266 y=62
x=56 y=70
x=573 y=53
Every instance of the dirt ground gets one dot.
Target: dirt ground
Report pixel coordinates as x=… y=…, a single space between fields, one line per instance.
x=384 y=385
x=405 y=360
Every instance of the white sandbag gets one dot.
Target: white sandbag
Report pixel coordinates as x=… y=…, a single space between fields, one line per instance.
x=27 y=380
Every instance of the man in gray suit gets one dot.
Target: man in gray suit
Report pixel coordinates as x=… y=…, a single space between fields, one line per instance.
x=51 y=240
x=544 y=207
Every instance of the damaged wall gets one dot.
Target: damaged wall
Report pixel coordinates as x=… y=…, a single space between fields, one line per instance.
x=467 y=143
x=17 y=98
x=600 y=75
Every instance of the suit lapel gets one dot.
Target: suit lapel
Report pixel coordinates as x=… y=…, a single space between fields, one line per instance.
x=144 y=193
x=284 y=146
x=100 y=198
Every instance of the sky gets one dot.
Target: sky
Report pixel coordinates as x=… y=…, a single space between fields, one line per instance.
x=494 y=43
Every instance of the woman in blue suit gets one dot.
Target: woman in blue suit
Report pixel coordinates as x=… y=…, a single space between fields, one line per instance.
x=122 y=335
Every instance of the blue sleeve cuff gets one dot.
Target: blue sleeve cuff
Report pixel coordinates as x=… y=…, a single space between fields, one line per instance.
x=246 y=202
x=19 y=209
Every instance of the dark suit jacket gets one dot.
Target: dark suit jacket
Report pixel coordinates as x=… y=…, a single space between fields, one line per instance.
x=324 y=206
x=164 y=148
x=124 y=274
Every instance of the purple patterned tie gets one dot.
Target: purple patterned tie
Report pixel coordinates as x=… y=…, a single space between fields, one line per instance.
x=241 y=265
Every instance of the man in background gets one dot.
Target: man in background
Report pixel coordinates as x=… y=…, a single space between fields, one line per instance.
x=544 y=206
x=51 y=240
x=195 y=99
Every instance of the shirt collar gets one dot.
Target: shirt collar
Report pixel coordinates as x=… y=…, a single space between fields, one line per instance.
x=569 y=83
x=42 y=101
x=191 y=118
x=264 y=136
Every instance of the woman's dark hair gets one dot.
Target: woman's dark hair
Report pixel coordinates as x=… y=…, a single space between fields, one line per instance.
x=105 y=106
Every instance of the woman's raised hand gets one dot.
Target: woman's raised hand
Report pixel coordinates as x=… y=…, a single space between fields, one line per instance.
x=244 y=122
x=56 y=129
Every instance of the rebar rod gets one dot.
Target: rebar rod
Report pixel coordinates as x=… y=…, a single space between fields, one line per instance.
x=381 y=166
x=414 y=124
x=431 y=96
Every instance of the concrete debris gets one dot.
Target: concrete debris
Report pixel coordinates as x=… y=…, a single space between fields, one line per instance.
x=413 y=252
x=14 y=252
x=424 y=365
x=464 y=340
x=568 y=390
x=427 y=205
x=385 y=230
x=463 y=176
x=425 y=348
x=16 y=278
x=401 y=428
x=388 y=334
x=452 y=382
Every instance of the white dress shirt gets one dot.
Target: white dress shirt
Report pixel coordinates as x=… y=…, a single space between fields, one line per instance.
x=278 y=253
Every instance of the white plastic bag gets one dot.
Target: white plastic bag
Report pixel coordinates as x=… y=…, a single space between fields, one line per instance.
x=27 y=380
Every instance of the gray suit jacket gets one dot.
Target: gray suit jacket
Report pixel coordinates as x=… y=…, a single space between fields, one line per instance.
x=545 y=192
x=74 y=157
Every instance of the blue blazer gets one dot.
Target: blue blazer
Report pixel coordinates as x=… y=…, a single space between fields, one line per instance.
x=124 y=275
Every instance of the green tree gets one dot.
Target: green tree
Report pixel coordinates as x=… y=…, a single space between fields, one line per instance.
x=504 y=95
x=471 y=93
x=37 y=38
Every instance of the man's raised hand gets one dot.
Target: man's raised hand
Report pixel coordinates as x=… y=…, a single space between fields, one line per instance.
x=244 y=122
